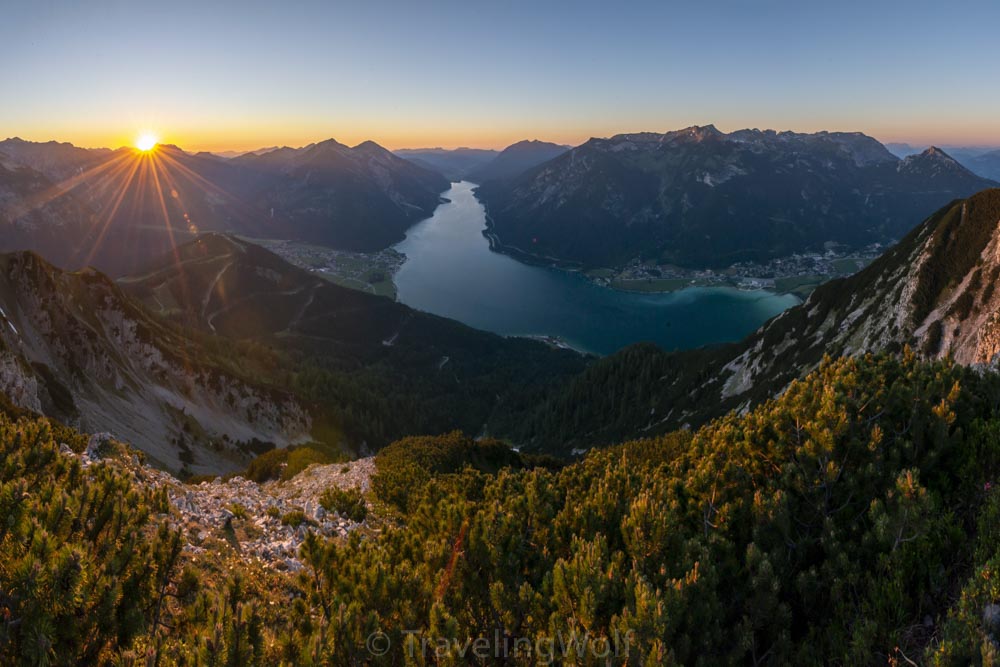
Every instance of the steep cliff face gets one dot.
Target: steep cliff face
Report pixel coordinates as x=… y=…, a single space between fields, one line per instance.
x=18 y=383
x=75 y=348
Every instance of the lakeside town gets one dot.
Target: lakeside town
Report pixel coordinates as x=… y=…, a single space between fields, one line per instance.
x=372 y=272
x=797 y=274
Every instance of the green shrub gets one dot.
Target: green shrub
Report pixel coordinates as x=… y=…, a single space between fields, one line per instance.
x=283 y=463
x=406 y=466
x=294 y=518
x=301 y=458
x=266 y=467
x=349 y=503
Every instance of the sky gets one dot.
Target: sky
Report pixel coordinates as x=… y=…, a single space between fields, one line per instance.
x=237 y=76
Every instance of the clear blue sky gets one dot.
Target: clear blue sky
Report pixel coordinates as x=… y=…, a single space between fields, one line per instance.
x=210 y=75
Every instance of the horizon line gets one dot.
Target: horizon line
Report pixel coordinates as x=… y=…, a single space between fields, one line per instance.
x=913 y=144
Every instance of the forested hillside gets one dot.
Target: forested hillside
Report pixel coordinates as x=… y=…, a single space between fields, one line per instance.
x=852 y=521
x=373 y=369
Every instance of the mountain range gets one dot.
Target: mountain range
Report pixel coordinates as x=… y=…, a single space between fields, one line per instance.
x=455 y=164
x=701 y=198
x=481 y=166
x=515 y=160
x=311 y=361
x=981 y=160
x=351 y=370
x=116 y=210
x=985 y=164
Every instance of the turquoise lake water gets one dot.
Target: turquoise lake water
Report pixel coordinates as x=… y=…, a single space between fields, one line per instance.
x=451 y=271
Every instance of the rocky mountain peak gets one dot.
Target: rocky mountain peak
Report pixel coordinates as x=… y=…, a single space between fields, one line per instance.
x=370 y=147
x=325 y=148
x=702 y=132
x=933 y=161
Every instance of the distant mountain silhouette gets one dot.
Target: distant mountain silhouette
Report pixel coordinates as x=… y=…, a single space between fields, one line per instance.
x=118 y=209
x=516 y=159
x=454 y=165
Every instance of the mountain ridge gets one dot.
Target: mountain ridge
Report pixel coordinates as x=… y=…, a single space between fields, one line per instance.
x=75 y=348
x=516 y=159
x=455 y=164
x=140 y=204
x=700 y=198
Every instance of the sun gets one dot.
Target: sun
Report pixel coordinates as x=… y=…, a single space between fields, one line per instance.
x=146 y=142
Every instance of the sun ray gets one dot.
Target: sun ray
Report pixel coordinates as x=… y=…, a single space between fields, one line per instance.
x=195 y=177
x=131 y=185
x=123 y=190
x=57 y=190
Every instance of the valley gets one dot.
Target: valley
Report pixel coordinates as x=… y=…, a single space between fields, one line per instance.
x=259 y=405
x=505 y=334
x=451 y=270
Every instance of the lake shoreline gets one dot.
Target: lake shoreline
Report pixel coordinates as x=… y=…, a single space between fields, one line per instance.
x=799 y=284
x=456 y=268
x=546 y=262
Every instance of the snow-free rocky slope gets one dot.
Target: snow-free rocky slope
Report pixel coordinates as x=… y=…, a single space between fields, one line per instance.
x=935 y=291
x=73 y=347
x=703 y=198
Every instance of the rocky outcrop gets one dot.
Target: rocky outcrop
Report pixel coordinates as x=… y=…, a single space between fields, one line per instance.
x=17 y=383
x=255 y=520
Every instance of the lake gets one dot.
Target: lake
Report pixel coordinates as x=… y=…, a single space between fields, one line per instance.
x=451 y=271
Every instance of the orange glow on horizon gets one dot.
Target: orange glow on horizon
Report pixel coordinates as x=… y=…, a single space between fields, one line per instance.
x=220 y=138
